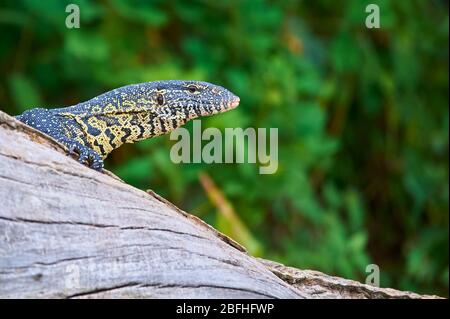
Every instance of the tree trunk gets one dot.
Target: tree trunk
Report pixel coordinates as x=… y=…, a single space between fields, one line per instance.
x=67 y=231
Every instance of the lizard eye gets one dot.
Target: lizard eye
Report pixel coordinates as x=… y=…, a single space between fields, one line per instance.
x=160 y=99
x=192 y=89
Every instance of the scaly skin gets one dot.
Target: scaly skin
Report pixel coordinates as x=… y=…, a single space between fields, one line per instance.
x=128 y=114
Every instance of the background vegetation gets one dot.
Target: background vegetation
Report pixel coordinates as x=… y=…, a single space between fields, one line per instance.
x=362 y=117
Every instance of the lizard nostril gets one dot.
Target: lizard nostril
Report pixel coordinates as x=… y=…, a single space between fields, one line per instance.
x=160 y=99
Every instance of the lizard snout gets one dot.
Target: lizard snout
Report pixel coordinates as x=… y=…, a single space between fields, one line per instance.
x=234 y=101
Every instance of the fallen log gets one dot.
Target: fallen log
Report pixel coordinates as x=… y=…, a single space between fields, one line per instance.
x=67 y=231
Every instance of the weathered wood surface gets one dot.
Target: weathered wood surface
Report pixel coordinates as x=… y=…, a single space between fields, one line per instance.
x=67 y=231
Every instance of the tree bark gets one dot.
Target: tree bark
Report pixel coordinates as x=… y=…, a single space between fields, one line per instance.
x=67 y=231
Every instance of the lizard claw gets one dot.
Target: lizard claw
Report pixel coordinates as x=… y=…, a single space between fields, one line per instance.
x=86 y=155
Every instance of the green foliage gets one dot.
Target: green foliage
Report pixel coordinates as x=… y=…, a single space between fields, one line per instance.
x=362 y=116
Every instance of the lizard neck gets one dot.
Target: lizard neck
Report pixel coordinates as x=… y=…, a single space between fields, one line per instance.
x=107 y=130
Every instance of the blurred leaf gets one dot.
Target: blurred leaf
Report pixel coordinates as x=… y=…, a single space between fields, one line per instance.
x=24 y=92
x=140 y=11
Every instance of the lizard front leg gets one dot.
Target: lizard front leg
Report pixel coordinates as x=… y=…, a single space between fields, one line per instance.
x=60 y=129
x=86 y=155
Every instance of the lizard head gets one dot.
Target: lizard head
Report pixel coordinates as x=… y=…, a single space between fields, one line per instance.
x=191 y=99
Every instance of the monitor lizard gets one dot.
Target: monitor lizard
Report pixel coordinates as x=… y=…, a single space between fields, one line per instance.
x=93 y=129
